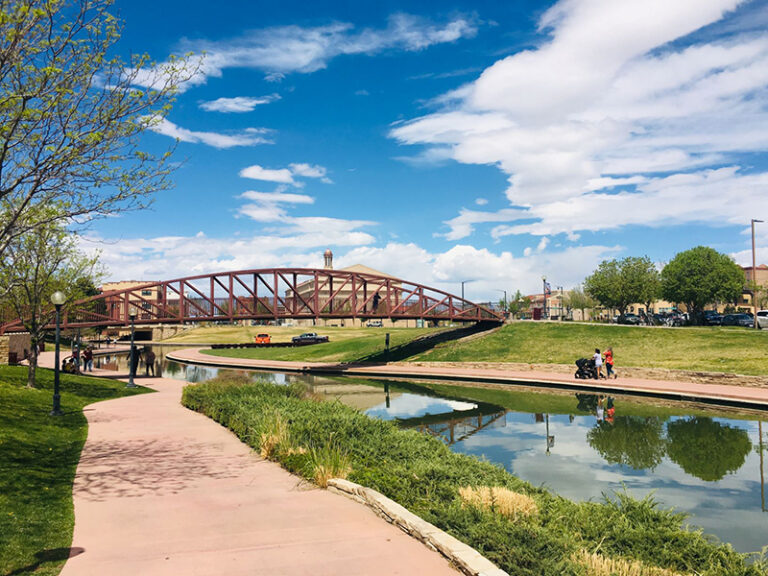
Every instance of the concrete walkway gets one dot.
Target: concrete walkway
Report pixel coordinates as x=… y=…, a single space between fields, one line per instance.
x=161 y=490
x=726 y=394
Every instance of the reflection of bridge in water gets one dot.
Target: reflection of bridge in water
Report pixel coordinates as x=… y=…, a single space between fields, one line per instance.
x=457 y=426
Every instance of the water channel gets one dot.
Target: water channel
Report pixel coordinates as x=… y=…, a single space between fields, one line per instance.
x=704 y=461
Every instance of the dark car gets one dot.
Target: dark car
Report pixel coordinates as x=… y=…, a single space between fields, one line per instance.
x=632 y=319
x=712 y=318
x=737 y=320
x=309 y=338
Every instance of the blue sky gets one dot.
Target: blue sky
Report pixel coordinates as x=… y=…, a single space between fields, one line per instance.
x=488 y=142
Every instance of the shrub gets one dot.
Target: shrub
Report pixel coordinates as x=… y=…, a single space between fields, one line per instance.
x=500 y=500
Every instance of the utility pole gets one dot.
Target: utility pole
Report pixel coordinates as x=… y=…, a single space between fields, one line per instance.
x=754 y=277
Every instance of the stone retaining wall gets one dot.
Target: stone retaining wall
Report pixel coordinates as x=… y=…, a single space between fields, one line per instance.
x=468 y=560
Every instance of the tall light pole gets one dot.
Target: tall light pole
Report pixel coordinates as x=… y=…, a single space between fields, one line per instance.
x=131 y=355
x=57 y=299
x=754 y=277
x=544 y=290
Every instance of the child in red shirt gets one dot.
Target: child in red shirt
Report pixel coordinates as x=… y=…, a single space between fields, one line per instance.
x=609 y=364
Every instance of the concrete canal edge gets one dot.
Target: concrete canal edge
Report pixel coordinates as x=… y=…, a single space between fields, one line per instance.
x=466 y=559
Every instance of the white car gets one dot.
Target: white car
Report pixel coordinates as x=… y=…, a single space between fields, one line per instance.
x=762 y=319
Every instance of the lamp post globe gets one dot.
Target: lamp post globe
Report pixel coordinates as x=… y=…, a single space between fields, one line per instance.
x=132 y=353
x=57 y=299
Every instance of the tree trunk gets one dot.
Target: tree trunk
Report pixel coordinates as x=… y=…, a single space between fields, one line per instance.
x=32 y=363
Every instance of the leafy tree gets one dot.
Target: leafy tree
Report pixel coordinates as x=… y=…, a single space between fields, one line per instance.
x=618 y=283
x=36 y=264
x=577 y=299
x=518 y=304
x=71 y=116
x=700 y=276
x=631 y=440
x=707 y=449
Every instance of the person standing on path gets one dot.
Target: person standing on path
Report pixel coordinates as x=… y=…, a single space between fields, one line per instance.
x=609 y=363
x=598 y=364
x=88 y=359
x=149 y=361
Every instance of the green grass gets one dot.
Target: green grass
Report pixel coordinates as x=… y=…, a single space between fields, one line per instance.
x=711 y=349
x=345 y=345
x=424 y=475
x=38 y=457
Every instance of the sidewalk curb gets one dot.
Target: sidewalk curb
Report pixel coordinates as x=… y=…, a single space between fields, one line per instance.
x=468 y=560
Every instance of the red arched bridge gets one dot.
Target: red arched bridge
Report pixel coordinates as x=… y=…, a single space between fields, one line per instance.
x=270 y=294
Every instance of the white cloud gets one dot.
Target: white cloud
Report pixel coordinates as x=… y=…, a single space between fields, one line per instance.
x=279 y=51
x=463 y=225
x=286 y=175
x=238 y=104
x=248 y=137
x=583 y=122
x=310 y=171
x=481 y=201
x=277 y=197
x=256 y=172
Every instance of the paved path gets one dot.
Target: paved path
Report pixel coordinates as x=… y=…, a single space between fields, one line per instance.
x=752 y=397
x=161 y=490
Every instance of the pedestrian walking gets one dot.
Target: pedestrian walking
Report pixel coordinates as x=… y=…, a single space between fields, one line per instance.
x=598 y=364
x=609 y=364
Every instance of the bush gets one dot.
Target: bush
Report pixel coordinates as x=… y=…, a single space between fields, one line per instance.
x=422 y=474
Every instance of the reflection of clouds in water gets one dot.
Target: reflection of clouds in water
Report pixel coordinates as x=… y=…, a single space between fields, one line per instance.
x=412 y=405
x=729 y=508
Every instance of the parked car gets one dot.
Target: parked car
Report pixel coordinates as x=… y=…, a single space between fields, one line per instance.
x=762 y=319
x=737 y=320
x=374 y=324
x=262 y=339
x=309 y=338
x=712 y=318
x=632 y=319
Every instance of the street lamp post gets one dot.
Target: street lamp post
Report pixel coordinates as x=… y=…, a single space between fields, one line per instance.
x=505 y=298
x=562 y=308
x=132 y=353
x=544 y=290
x=754 y=277
x=57 y=299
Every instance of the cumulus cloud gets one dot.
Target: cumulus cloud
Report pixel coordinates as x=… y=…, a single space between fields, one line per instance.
x=248 y=137
x=621 y=110
x=256 y=172
x=238 y=104
x=278 y=197
x=286 y=175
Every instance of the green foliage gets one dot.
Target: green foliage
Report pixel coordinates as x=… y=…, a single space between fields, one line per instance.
x=630 y=440
x=71 y=115
x=422 y=474
x=36 y=264
x=701 y=276
x=619 y=283
x=707 y=449
x=577 y=299
x=38 y=457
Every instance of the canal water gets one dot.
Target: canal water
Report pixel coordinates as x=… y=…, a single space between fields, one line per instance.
x=709 y=463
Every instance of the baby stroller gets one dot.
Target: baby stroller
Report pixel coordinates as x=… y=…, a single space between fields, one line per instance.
x=585 y=369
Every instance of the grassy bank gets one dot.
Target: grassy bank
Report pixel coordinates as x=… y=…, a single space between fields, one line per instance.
x=525 y=530
x=38 y=457
x=345 y=345
x=711 y=349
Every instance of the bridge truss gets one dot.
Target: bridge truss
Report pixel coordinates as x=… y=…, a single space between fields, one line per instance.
x=270 y=294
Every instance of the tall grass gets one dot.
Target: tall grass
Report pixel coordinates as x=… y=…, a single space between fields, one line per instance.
x=422 y=474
